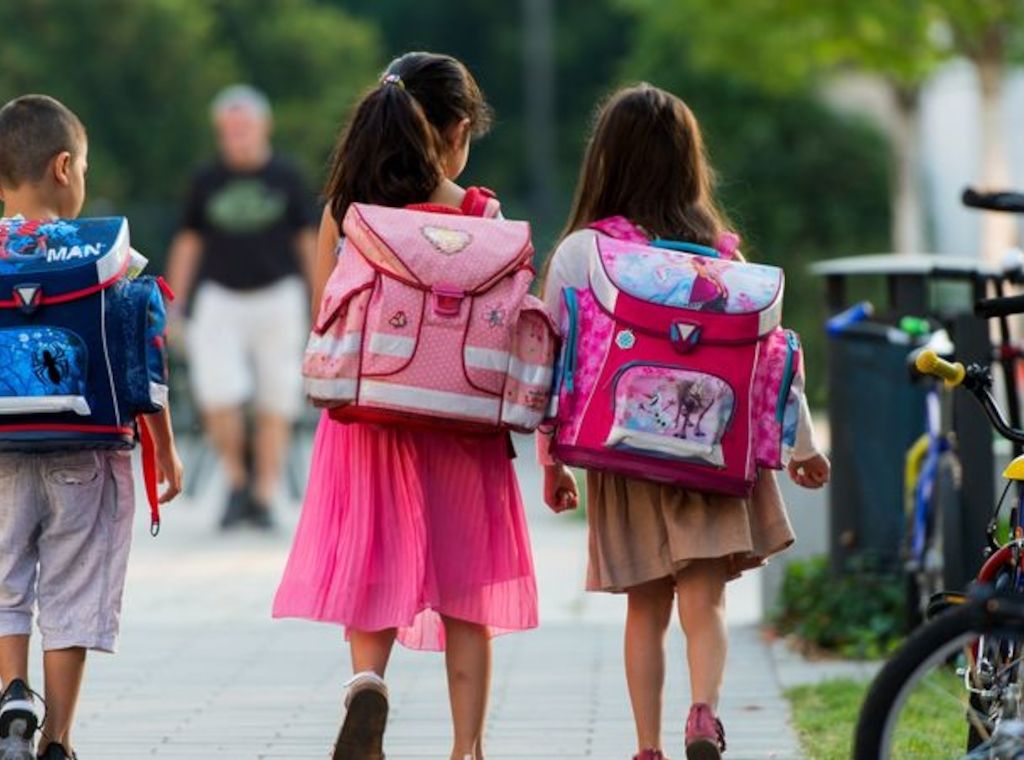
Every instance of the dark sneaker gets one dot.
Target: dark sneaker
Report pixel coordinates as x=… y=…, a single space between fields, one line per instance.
x=57 y=752
x=260 y=515
x=18 y=722
x=650 y=754
x=237 y=508
x=705 y=736
x=362 y=734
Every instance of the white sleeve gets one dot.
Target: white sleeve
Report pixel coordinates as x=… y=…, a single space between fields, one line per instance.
x=805 y=447
x=569 y=267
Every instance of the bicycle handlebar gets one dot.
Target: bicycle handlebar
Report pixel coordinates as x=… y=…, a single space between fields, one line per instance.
x=1009 y=202
x=930 y=363
x=987 y=308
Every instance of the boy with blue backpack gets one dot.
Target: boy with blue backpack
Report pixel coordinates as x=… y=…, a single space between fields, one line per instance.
x=83 y=376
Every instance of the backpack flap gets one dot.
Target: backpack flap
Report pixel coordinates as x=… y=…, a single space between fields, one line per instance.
x=689 y=299
x=426 y=249
x=52 y=262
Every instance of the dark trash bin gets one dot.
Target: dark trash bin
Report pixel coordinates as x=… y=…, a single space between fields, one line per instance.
x=876 y=414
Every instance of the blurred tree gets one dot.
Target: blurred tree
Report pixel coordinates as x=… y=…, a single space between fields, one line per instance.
x=787 y=44
x=800 y=181
x=990 y=33
x=591 y=39
x=138 y=74
x=141 y=76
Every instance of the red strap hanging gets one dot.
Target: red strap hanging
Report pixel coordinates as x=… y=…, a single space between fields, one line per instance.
x=475 y=201
x=149 y=476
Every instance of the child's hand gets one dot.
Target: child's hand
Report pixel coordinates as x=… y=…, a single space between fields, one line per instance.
x=811 y=473
x=170 y=471
x=560 y=491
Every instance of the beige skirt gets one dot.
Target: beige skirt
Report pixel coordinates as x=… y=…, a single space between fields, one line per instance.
x=642 y=531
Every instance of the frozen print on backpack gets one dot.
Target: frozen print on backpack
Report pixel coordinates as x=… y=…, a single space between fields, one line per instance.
x=700 y=283
x=672 y=413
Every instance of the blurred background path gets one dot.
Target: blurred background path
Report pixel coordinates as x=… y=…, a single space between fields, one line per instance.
x=202 y=661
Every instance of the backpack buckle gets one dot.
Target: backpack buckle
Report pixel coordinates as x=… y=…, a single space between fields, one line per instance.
x=27 y=297
x=447 y=300
x=684 y=337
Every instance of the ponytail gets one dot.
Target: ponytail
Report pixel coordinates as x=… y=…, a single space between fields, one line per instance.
x=389 y=155
x=392 y=151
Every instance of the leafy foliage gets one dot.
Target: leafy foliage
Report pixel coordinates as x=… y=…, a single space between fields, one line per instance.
x=801 y=182
x=857 y=614
x=141 y=76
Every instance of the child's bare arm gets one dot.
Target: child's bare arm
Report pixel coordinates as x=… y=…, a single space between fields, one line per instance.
x=170 y=471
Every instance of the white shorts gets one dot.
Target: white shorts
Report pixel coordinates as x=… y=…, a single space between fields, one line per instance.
x=247 y=346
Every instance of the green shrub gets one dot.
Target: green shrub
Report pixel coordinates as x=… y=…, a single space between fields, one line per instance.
x=857 y=614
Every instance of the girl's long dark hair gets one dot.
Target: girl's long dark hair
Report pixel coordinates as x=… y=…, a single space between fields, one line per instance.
x=392 y=151
x=646 y=161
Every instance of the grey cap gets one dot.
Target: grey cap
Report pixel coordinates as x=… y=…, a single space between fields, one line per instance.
x=241 y=96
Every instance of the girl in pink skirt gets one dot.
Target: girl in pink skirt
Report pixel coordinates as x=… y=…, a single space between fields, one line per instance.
x=409 y=535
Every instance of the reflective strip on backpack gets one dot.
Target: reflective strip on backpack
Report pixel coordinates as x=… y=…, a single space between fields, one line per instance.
x=44 y=405
x=426 y=400
x=331 y=389
x=398 y=346
x=331 y=345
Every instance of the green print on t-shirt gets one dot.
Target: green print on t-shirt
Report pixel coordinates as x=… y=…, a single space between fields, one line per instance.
x=246 y=205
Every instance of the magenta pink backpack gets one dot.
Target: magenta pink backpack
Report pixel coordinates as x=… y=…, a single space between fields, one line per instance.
x=426 y=320
x=674 y=367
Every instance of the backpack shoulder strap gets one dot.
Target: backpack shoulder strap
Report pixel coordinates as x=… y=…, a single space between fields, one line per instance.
x=479 y=201
x=620 y=228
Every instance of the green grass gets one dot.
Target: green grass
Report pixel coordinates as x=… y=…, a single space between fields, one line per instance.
x=825 y=715
x=931 y=726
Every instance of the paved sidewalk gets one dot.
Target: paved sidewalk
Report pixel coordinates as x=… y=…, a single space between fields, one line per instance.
x=203 y=671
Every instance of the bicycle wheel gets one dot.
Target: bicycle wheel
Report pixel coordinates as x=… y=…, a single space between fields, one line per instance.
x=953 y=690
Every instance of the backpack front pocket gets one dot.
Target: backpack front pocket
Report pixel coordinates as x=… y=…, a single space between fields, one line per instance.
x=671 y=412
x=45 y=371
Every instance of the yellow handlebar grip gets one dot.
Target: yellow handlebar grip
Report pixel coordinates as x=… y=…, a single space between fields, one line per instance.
x=930 y=363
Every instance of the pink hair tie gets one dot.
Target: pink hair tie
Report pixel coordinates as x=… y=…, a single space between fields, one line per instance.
x=393 y=79
x=728 y=243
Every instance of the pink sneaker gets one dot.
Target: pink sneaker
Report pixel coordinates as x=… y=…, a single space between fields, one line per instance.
x=705 y=737
x=650 y=754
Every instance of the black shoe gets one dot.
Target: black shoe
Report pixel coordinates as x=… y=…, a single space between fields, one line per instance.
x=18 y=722
x=237 y=508
x=259 y=514
x=362 y=734
x=57 y=752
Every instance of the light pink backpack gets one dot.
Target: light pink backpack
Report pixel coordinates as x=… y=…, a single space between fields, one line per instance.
x=426 y=320
x=674 y=367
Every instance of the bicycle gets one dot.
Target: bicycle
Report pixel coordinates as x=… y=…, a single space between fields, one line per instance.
x=932 y=483
x=971 y=657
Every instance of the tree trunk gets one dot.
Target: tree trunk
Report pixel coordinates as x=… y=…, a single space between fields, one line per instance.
x=907 y=192
x=998 y=231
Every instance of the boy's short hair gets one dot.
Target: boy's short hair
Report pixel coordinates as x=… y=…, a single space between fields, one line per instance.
x=34 y=129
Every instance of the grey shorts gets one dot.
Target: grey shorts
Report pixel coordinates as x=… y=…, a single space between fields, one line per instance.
x=65 y=532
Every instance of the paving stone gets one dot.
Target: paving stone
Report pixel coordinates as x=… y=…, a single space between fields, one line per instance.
x=204 y=672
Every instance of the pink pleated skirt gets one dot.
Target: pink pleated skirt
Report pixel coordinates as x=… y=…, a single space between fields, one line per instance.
x=401 y=527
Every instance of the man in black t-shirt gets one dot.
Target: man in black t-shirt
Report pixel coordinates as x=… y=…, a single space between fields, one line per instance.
x=246 y=238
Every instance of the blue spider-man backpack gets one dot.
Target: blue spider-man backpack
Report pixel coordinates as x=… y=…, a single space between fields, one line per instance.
x=81 y=337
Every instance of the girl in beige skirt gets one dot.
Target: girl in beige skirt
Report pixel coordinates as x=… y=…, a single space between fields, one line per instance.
x=658 y=544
